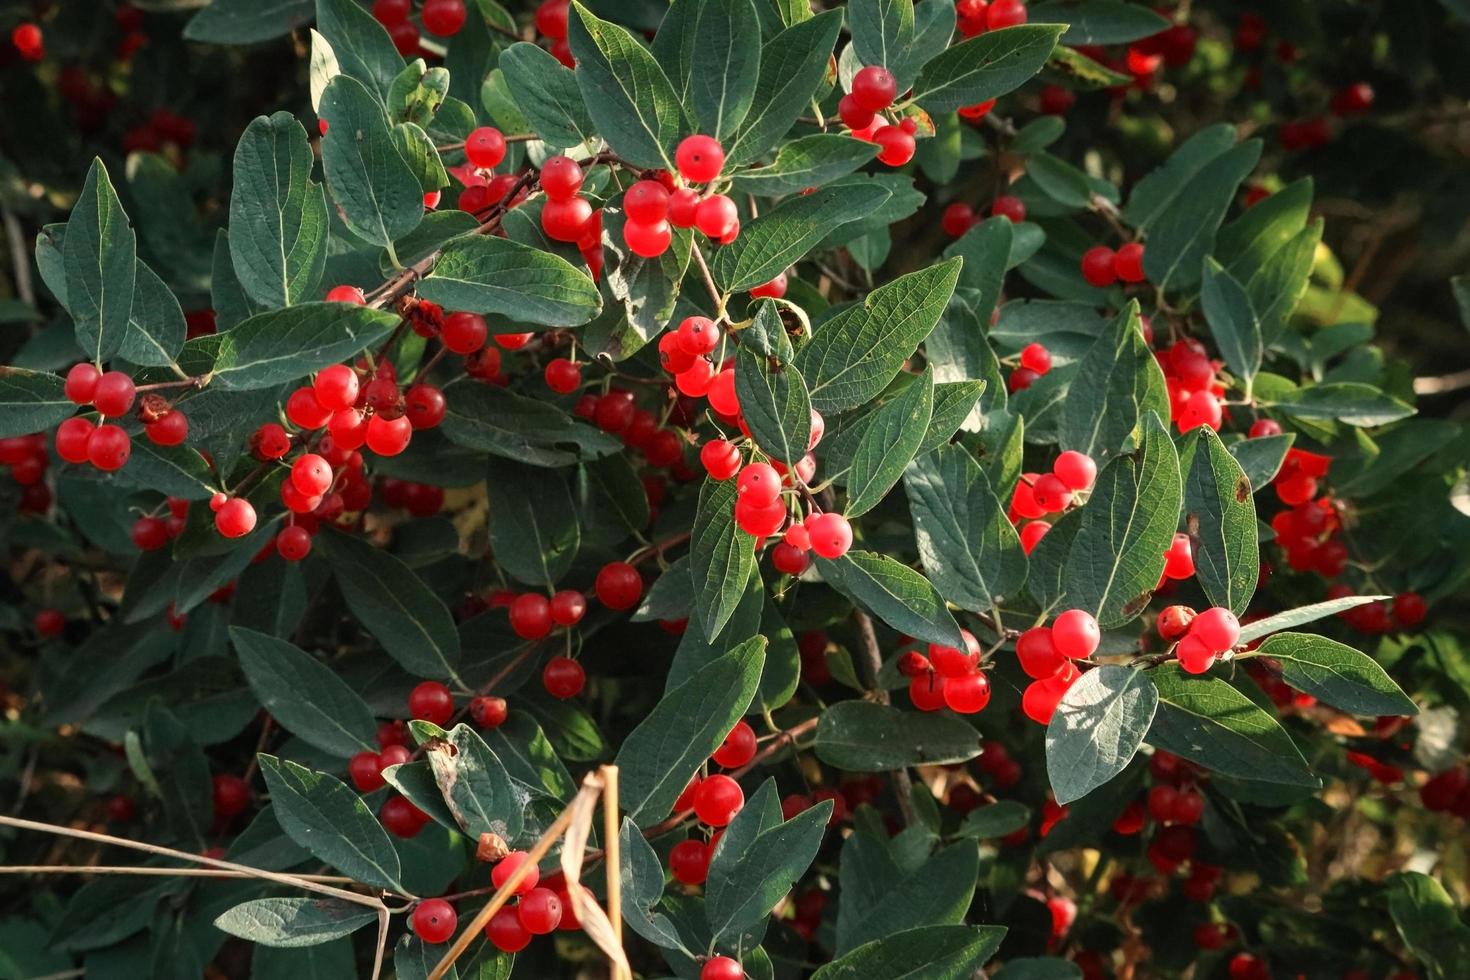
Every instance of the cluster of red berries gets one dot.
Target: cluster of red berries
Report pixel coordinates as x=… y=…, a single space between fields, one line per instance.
x=959 y=217
x=1046 y=655
x=654 y=204
x=715 y=800
x=28 y=461
x=1407 y=610
x=1201 y=638
x=539 y=909
x=862 y=110
x=974 y=17
x=948 y=677
x=1301 y=472
x=443 y=18
x=616 y=413
x=419 y=499
x=1101 y=266
x=1195 y=398
x=1308 y=534
x=1035 y=360
x=112 y=393
x=1039 y=494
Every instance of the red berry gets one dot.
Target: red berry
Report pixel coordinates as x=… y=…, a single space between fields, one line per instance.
x=720 y=458
x=231 y=795
x=424 y=406
x=1076 y=470
x=683 y=206
x=431 y=701
x=957 y=218
x=698 y=335
x=113 y=394
x=1005 y=13
x=717 y=800
x=646 y=202
x=540 y=911
x=347 y=294
x=464 y=333
x=1128 y=262
x=853 y=115
x=1032 y=534
x=335 y=387
x=1217 y=628
x=619 y=586
x=81 y=383
x=27 y=40
x=563 y=677
x=50 y=623
x=484 y=147
x=293 y=543
x=388 y=437
x=1035 y=357
x=434 y=920
x=390 y=12
x=1098 y=266
x=149 y=533
x=716 y=215
x=1038 y=656
x=831 y=534
x=366 y=771
x=738 y=748
x=759 y=484
x=1021 y=379
x=563 y=220
x=72 y=439
x=1179 y=559
x=530 y=616
x=505 y=931
x=108 y=448
x=443 y=17
x=648 y=240
x=721 y=394
x=551 y=18
x=722 y=967
x=874 y=88
x=561 y=178
x=774 y=289
x=1194 y=655
x=926 y=690
x=1051 y=494
x=1409 y=609
x=967 y=693
x=895 y=145
x=235 y=518
x=699 y=158
x=1264 y=427
x=689 y=862
x=1203 y=408
x=488 y=712
x=1010 y=207
x=508 y=866
x=311 y=474
x=788 y=560
x=1174 y=622
x=1075 y=634
x=568 y=607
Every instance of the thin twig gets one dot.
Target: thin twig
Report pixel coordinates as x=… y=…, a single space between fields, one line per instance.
x=709 y=282
x=148 y=871
x=872 y=658
x=20 y=258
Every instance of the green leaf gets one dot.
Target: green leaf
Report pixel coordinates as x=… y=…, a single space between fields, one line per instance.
x=156 y=327
x=304 y=695
x=995 y=820
x=1075 y=70
x=775 y=403
x=793 y=64
x=278 y=214
x=777 y=239
x=1261 y=457
x=970 y=550
x=417 y=93
x=529 y=757
x=1247 y=244
x=642 y=886
x=374 y=189
x=1232 y=320
x=627 y=93
x=880 y=899
x=534 y=530
x=688 y=723
x=1099 y=21
x=864 y=736
x=1207 y=721
x=1351 y=402
x=291 y=922
x=1097 y=728
x=881 y=30
x=547 y=94
x=954 y=952
x=485 y=274
x=1429 y=922
x=178 y=471
x=985 y=67
x=893 y=592
x=955 y=402
x=362 y=46
x=488 y=418
x=888 y=445
x=712 y=54
x=1160 y=189
x=278 y=346
x=1039 y=968
x=745 y=885
x=1126 y=526
x=99 y=255
x=1281 y=282
x=648 y=288
x=394 y=605
x=986 y=249
x=856 y=353
x=323 y=815
x=1220 y=518
x=1336 y=674
x=417 y=150
x=31 y=401
x=1118 y=384
x=1183 y=233
x=808 y=161
x=474 y=784
x=247 y=21
x=721 y=556
x=1301 y=615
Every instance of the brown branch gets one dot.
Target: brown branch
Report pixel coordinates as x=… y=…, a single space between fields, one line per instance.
x=872 y=659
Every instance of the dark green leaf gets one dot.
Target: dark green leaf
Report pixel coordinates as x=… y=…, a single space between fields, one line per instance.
x=31 y=401
x=995 y=820
x=99 y=255
x=955 y=402
x=485 y=274
x=1075 y=70
x=1260 y=458
x=1039 y=968
x=986 y=249
x=1300 y=616
x=809 y=161
x=893 y=592
x=1117 y=385
x=688 y=723
x=627 y=93
x=888 y=445
x=417 y=150
x=1232 y=320
x=1126 y=526
x=278 y=214
x=305 y=696
x=775 y=403
x=394 y=605
x=488 y=418
x=880 y=899
x=985 y=67
x=247 y=21
x=547 y=94
x=1160 y=189
x=534 y=530
x=1220 y=518
x=1351 y=402
x=1097 y=728
x=362 y=46
x=374 y=189
x=323 y=815
x=474 y=784
x=1184 y=231
x=881 y=30
x=1336 y=674
x=793 y=64
x=175 y=470
x=778 y=238
x=642 y=886
x=1098 y=21
x=743 y=887
x=952 y=952
x=711 y=52
x=1429 y=922
x=156 y=325
x=856 y=353
x=864 y=736
x=417 y=93
x=1282 y=280
x=1247 y=244
x=290 y=922
x=1210 y=723
x=278 y=346
x=721 y=556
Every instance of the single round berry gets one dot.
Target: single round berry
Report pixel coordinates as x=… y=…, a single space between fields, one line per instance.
x=738 y=748
x=563 y=677
x=561 y=178
x=335 y=387
x=1031 y=535
x=346 y=294
x=293 y=543
x=648 y=240
x=540 y=911
x=311 y=474
x=968 y=693
x=683 y=205
x=689 y=861
x=699 y=158
x=388 y=437
x=488 y=712
x=1409 y=609
x=831 y=534
x=1264 y=427
x=759 y=484
x=1010 y=207
x=1097 y=266
x=1173 y=621
x=569 y=606
x=760 y=520
x=1005 y=13
x=50 y=623
x=505 y=931
x=1179 y=559
x=563 y=376
x=365 y=769
x=720 y=458
x=1194 y=655
x=721 y=394
x=716 y=216
x=1038 y=656
x=28 y=41
x=231 y=795
x=464 y=333
x=1051 y=494
x=957 y=219
x=236 y=518
x=774 y=289
x=109 y=447
x=391 y=12
x=149 y=533
x=1202 y=409
x=72 y=439
x=717 y=800
x=114 y=393
x=926 y=690
x=508 y=866
x=1217 y=628
x=431 y=701
x=530 y=616
x=1128 y=262
x=647 y=201
x=484 y=148
x=1020 y=379
x=1077 y=471
x=1075 y=634
x=698 y=335
x=1035 y=357
x=722 y=967
x=551 y=18
x=424 y=406
x=81 y=383
x=564 y=220
x=443 y=17
x=874 y=88
x=895 y=145
x=788 y=560
x=434 y=920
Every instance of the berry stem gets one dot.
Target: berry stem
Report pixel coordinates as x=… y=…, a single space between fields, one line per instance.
x=709 y=282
